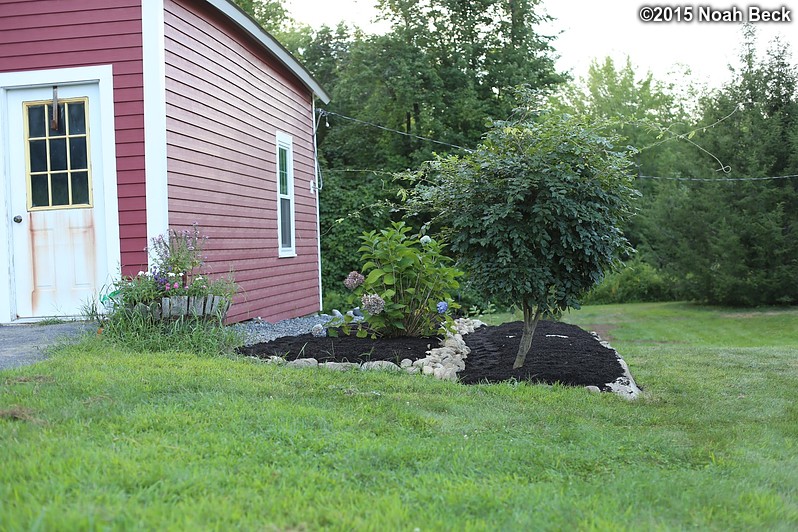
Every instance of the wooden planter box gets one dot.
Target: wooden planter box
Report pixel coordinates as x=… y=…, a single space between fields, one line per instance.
x=203 y=307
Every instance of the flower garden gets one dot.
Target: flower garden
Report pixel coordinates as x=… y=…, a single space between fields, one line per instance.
x=176 y=304
x=402 y=320
x=175 y=286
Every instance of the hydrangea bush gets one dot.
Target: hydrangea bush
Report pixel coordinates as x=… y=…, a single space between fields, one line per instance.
x=405 y=285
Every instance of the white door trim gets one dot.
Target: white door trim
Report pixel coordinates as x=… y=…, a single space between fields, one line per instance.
x=103 y=76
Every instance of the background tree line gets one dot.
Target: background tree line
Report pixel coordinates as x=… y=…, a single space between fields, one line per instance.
x=704 y=231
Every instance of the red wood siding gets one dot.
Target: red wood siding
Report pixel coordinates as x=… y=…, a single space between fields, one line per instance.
x=226 y=98
x=47 y=34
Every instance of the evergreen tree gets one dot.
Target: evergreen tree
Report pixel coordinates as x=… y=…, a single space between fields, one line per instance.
x=736 y=242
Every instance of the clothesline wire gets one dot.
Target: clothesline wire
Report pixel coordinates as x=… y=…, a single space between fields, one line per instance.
x=701 y=179
x=719 y=179
x=324 y=112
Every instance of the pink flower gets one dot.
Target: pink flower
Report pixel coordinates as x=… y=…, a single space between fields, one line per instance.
x=353 y=280
x=176 y=285
x=166 y=287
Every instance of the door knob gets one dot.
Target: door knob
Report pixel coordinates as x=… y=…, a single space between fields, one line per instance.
x=18 y=219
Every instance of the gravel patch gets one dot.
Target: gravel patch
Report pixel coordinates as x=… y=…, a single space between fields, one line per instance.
x=257 y=330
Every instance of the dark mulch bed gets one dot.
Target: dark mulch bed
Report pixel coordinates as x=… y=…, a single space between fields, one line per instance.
x=343 y=348
x=577 y=360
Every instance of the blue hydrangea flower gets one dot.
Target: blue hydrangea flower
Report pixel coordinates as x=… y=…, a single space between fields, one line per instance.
x=443 y=306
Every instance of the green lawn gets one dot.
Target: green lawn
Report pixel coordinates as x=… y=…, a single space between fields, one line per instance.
x=98 y=438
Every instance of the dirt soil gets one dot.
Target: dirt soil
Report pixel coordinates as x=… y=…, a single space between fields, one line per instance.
x=561 y=353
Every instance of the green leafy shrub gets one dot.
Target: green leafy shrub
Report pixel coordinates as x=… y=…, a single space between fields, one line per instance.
x=636 y=282
x=350 y=205
x=474 y=303
x=334 y=299
x=406 y=285
x=535 y=212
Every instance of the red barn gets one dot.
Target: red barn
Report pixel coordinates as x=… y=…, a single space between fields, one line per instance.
x=168 y=112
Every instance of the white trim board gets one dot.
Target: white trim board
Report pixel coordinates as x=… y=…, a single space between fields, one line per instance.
x=155 y=158
x=243 y=21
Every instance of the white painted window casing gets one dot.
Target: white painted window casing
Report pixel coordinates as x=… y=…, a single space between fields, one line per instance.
x=286 y=228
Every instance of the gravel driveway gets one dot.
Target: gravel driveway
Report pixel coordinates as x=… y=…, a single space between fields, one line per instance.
x=21 y=345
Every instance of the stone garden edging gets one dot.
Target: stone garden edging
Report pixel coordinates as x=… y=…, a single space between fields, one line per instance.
x=624 y=386
x=441 y=362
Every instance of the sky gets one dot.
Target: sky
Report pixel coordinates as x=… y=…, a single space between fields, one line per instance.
x=593 y=29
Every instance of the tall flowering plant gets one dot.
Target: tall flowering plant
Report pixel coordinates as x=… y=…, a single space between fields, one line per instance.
x=405 y=285
x=178 y=252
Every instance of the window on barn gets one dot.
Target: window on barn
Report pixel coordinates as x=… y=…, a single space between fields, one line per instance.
x=57 y=154
x=285 y=196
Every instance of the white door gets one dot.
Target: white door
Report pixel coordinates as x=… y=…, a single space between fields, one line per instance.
x=56 y=199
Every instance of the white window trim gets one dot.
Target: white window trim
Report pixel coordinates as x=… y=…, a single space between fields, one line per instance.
x=285 y=141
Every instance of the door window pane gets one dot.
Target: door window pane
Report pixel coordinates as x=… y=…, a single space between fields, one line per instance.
x=80 y=188
x=77 y=118
x=38 y=155
x=58 y=158
x=77 y=153
x=60 y=184
x=36 y=121
x=39 y=191
x=61 y=126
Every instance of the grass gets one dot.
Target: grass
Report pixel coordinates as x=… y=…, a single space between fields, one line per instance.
x=50 y=321
x=102 y=438
x=131 y=330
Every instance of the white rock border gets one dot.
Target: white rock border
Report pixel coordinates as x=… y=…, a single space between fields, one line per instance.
x=442 y=362
x=624 y=386
x=446 y=361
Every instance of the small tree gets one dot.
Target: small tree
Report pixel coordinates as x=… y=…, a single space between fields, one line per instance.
x=535 y=212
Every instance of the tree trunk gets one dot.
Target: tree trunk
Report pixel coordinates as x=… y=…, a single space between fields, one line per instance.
x=531 y=320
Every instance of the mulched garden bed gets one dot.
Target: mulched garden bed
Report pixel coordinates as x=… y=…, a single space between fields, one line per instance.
x=561 y=353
